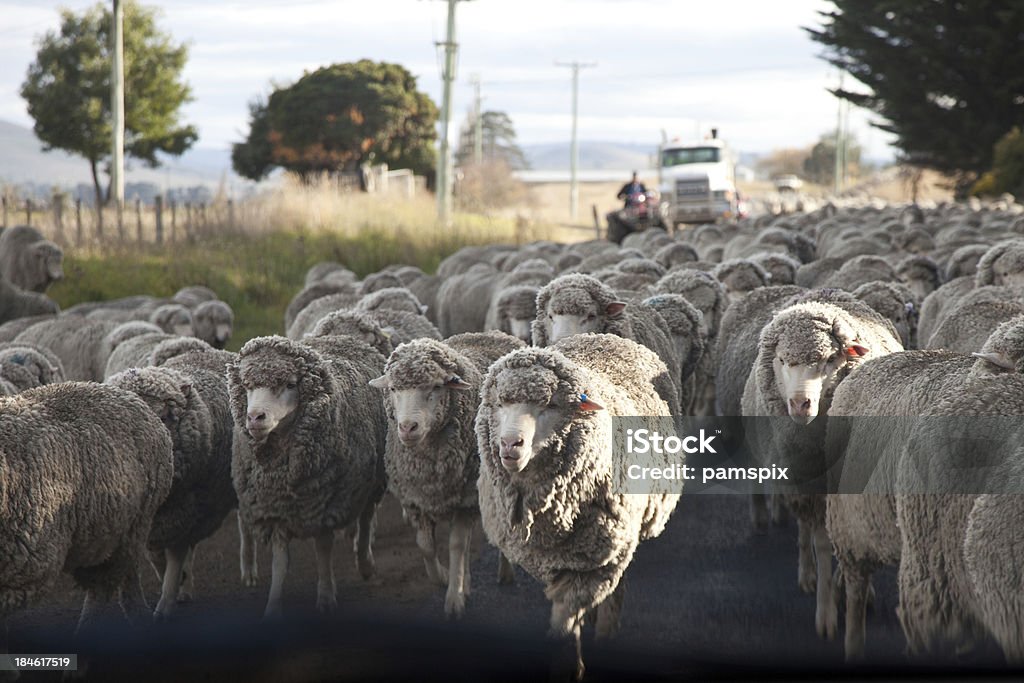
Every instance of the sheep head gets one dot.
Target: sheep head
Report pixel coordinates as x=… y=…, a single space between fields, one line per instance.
x=574 y=304
x=213 y=322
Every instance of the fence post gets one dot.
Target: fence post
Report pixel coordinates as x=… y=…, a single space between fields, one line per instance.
x=188 y=220
x=158 y=207
x=28 y=212
x=174 y=221
x=120 y=220
x=597 y=222
x=138 y=219
x=58 y=218
x=79 y=237
x=231 y=215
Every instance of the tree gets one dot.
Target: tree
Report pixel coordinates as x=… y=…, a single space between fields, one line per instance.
x=337 y=118
x=68 y=88
x=1007 y=174
x=788 y=161
x=944 y=75
x=498 y=141
x=820 y=165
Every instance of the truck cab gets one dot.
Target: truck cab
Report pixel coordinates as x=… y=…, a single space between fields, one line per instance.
x=697 y=181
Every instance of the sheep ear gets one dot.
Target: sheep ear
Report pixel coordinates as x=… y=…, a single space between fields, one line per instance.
x=997 y=359
x=589 y=404
x=423 y=309
x=456 y=382
x=388 y=332
x=379 y=383
x=615 y=308
x=857 y=351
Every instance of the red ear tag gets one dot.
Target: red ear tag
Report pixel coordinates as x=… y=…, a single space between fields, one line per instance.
x=857 y=351
x=587 y=403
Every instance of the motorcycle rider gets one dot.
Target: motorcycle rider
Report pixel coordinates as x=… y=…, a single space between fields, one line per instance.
x=630 y=190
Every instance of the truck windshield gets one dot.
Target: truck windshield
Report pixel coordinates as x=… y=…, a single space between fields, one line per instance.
x=690 y=155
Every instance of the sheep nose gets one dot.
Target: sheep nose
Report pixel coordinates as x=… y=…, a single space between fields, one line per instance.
x=255 y=418
x=509 y=443
x=407 y=427
x=798 y=406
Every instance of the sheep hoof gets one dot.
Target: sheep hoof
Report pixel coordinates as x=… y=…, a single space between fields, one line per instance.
x=827 y=624
x=808 y=583
x=250 y=578
x=366 y=566
x=455 y=606
x=184 y=596
x=326 y=604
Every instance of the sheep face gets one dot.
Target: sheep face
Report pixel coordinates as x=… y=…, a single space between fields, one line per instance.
x=269 y=405
x=26 y=368
x=571 y=312
x=523 y=431
x=520 y=327
x=49 y=258
x=174 y=319
x=1008 y=269
x=418 y=412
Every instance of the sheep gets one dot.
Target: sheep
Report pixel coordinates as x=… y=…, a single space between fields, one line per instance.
x=895 y=302
x=463 y=300
x=308 y=317
x=356 y=324
x=920 y=274
x=85 y=504
x=815 y=273
x=376 y=282
x=675 y=253
x=781 y=268
x=740 y=276
x=25 y=366
x=431 y=457
x=176 y=346
x=863 y=528
x=311 y=293
x=513 y=311
x=1003 y=351
x=425 y=289
x=544 y=433
x=28 y=261
x=395 y=298
x=700 y=289
x=195 y=411
x=191 y=297
x=213 y=322
x=580 y=304
x=403 y=326
x=860 y=270
x=16 y=303
x=80 y=344
x=937 y=304
x=173 y=319
x=11 y=329
x=964 y=261
x=128 y=303
x=967 y=326
x=327 y=269
x=804 y=353
x=307 y=456
x=1002 y=264
x=134 y=353
x=684 y=327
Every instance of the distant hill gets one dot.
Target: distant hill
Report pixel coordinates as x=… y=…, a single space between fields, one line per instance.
x=24 y=163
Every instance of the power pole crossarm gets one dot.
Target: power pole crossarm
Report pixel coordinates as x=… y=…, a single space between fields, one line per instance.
x=574 y=152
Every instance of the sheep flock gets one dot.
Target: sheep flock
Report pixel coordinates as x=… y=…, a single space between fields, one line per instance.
x=482 y=395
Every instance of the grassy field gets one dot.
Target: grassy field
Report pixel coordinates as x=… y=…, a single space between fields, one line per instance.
x=258 y=267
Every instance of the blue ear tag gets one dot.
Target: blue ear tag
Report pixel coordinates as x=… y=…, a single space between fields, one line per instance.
x=583 y=398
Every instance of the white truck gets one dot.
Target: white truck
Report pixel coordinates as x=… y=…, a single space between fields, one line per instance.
x=697 y=181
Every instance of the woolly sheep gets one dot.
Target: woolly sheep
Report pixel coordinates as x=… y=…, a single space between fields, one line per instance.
x=544 y=432
x=431 y=459
x=967 y=326
x=213 y=322
x=685 y=329
x=311 y=293
x=1002 y=264
x=194 y=409
x=85 y=505
x=80 y=344
x=12 y=328
x=675 y=253
x=580 y=304
x=28 y=261
x=134 y=353
x=395 y=298
x=463 y=300
x=403 y=326
x=309 y=439
x=376 y=282
x=356 y=324
x=176 y=346
x=16 y=303
x=425 y=289
x=27 y=366
x=1003 y=351
x=324 y=269
x=860 y=270
x=937 y=304
x=895 y=302
x=964 y=261
x=863 y=528
x=781 y=268
x=804 y=353
x=192 y=296
x=308 y=317
x=173 y=319
x=513 y=311
x=816 y=273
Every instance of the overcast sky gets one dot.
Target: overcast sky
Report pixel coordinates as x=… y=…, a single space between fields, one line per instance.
x=673 y=65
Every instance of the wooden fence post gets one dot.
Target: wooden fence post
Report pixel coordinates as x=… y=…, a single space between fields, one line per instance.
x=188 y=220
x=138 y=219
x=79 y=236
x=174 y=221
x=158 y=207
x=120 y=221
x=597 y=222
x=28 y=212
x=58 y=218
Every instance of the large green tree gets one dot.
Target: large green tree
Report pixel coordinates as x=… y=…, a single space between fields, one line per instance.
x=820 y=164
x=338 y=117
x=68 y=88
x=498 y=141
x=944 y=75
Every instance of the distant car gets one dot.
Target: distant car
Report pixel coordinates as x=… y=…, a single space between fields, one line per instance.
x=788 y=183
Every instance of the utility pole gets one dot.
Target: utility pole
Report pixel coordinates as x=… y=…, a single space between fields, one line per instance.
x=444 y=161
x=478 y=129
x=117 y=109
x=837 y=181
x=574 y=152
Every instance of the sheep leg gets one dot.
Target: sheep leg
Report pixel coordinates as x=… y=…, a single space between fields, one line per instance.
x=468 y=555
x=780 y=516
x=826 y=616
x=506 y=573
x=857 y=583
x=247 y=554
x=425 y=542
x=566 y=622
x=364 y=540
x=609 y=612
x=326 y=591
x=759 y=511
x=278 y=570
x=188 y=576
x=175 y=560
x=458 y=550
x=805 y=567
x=89 y=607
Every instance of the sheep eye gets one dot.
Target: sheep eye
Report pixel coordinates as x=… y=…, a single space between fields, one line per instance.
x=291 y=385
